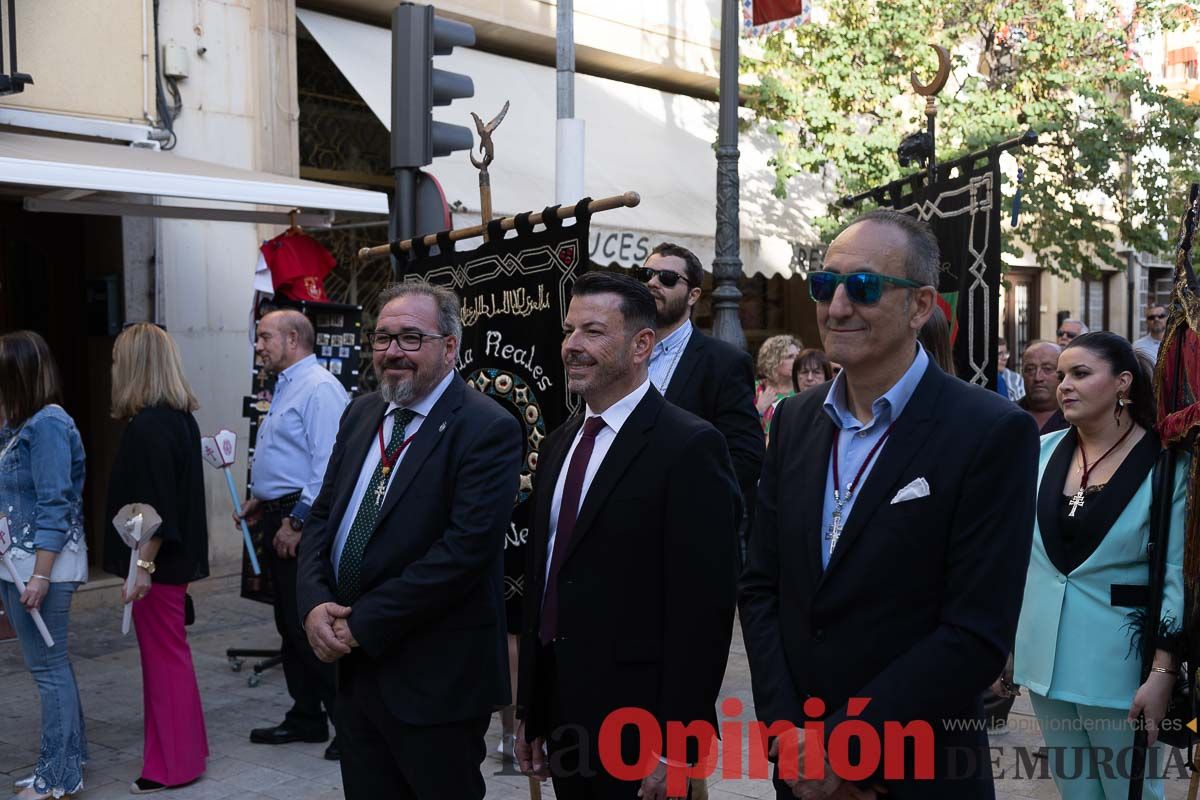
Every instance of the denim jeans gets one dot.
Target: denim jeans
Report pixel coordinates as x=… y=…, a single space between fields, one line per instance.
x=64 y=749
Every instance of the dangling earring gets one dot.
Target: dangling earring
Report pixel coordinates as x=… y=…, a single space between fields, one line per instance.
x=1120 y=409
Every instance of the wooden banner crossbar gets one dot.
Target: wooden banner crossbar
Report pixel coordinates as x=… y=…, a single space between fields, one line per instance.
x=627 y=200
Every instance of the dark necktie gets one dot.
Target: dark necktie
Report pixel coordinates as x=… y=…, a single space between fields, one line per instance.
x=568 y=511
x=349 y=577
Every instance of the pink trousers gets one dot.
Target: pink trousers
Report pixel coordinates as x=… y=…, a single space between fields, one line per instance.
x=176 y=743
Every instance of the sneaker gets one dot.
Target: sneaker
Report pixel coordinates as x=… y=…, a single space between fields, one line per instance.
x=24 y=783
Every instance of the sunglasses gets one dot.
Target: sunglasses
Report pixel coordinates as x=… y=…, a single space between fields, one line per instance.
x=863 y=288
x=665 y=276
x=1066 y=334
x=1156 y=316
x=129 y=325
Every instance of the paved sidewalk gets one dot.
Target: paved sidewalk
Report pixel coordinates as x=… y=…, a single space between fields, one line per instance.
x=110 y=683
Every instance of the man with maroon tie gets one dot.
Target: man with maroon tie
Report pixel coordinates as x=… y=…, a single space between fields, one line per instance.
x=633 y=560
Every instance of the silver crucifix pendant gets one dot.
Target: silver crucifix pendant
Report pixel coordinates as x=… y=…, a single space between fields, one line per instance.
x=1076 y=502
x=835 y=530
x=380 y=491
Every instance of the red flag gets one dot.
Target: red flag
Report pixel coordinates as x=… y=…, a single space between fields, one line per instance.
x=760 y=17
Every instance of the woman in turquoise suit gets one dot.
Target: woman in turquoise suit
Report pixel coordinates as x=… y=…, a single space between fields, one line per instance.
x=1077 y=648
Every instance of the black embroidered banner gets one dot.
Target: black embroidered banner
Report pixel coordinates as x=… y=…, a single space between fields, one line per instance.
x=963 y=208
x=514 y=294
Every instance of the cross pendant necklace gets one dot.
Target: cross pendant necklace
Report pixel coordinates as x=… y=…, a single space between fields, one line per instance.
x=1077 y=499
x=835 y=526
x=386 y=462
x=840 y=500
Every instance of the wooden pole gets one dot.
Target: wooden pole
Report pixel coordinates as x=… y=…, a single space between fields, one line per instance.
x=627 y=200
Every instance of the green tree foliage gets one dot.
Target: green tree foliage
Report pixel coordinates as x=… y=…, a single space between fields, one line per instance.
x=1116 y=152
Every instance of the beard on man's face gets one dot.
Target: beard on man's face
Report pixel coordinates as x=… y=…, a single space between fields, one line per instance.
x=673 y=309
x=407 y=387
x=603 y=373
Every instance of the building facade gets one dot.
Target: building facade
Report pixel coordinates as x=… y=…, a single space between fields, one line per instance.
x=161 y=143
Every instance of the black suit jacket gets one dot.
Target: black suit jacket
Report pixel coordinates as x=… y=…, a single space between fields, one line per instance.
x=918 y=607
x=430 y=622
x=715 y=381
x=647 y=593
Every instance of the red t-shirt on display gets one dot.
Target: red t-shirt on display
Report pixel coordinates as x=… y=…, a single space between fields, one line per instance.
x=298 y=265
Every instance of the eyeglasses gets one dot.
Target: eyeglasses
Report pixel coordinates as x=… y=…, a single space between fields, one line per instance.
x=409 y=341
x=1156 y=316
x=1068 y=335
x=863 y=288
x=666 y=277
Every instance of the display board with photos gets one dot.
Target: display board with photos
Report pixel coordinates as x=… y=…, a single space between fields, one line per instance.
x=338 y=348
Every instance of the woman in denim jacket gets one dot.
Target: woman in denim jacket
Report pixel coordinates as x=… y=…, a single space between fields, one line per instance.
x=41 y=492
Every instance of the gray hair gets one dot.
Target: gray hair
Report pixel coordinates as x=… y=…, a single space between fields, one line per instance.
x=1083 y=328
x=923 y=256
x=448 y=305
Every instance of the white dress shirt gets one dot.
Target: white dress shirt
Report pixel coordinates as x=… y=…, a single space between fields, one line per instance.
x=420 y=411
x=614 y=417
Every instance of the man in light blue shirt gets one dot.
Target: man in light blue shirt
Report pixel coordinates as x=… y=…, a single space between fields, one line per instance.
x=859 y=444
x=294 y=441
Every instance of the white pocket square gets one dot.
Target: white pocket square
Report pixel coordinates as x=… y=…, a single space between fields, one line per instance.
x=916 y=489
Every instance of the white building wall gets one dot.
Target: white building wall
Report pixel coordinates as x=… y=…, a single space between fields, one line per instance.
x=205 y=269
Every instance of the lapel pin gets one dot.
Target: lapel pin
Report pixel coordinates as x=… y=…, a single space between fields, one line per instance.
x=442 y=428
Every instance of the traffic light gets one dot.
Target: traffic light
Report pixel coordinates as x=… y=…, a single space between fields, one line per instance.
x=418 y=36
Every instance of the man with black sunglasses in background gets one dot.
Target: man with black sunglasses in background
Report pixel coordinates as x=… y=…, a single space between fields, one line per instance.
x=700 y=374
x=1069 y=330
x=893 y=529
x=1156 y=326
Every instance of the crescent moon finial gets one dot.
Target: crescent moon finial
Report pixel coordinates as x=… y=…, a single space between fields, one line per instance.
x=939 y=80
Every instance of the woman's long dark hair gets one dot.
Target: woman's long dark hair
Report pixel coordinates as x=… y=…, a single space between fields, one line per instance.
x=1120 y=356
x=28 y=376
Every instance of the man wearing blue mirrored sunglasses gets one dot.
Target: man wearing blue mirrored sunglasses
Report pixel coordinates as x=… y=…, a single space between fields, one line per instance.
x=892 y=534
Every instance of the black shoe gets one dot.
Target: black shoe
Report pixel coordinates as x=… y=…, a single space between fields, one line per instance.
x=145 y=786
x=284 y=733
x=333 y=752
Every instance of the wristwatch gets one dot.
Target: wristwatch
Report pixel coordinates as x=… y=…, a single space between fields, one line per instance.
x=146 y=565
x=296 y=523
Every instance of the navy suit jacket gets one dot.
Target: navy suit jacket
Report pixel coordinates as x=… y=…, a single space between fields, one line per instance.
x=646 y=593
x=430 y=622
x=917 y=608
x=715 y=381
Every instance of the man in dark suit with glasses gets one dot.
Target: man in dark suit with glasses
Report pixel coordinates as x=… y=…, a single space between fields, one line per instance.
x=401 y=574
x=893 y=530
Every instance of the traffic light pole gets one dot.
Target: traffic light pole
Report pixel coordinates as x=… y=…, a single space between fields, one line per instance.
x=417 y=36
x=402 y=223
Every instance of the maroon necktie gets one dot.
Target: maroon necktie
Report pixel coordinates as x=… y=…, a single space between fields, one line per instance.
x=568 y=510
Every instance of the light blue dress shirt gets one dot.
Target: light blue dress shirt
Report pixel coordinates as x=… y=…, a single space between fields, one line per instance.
x=420 y=411
x=296 y=436
x=664 y=358
x=856 y=439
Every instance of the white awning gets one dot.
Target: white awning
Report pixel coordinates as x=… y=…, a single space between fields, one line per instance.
x=113 y=177
x=657 y=144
